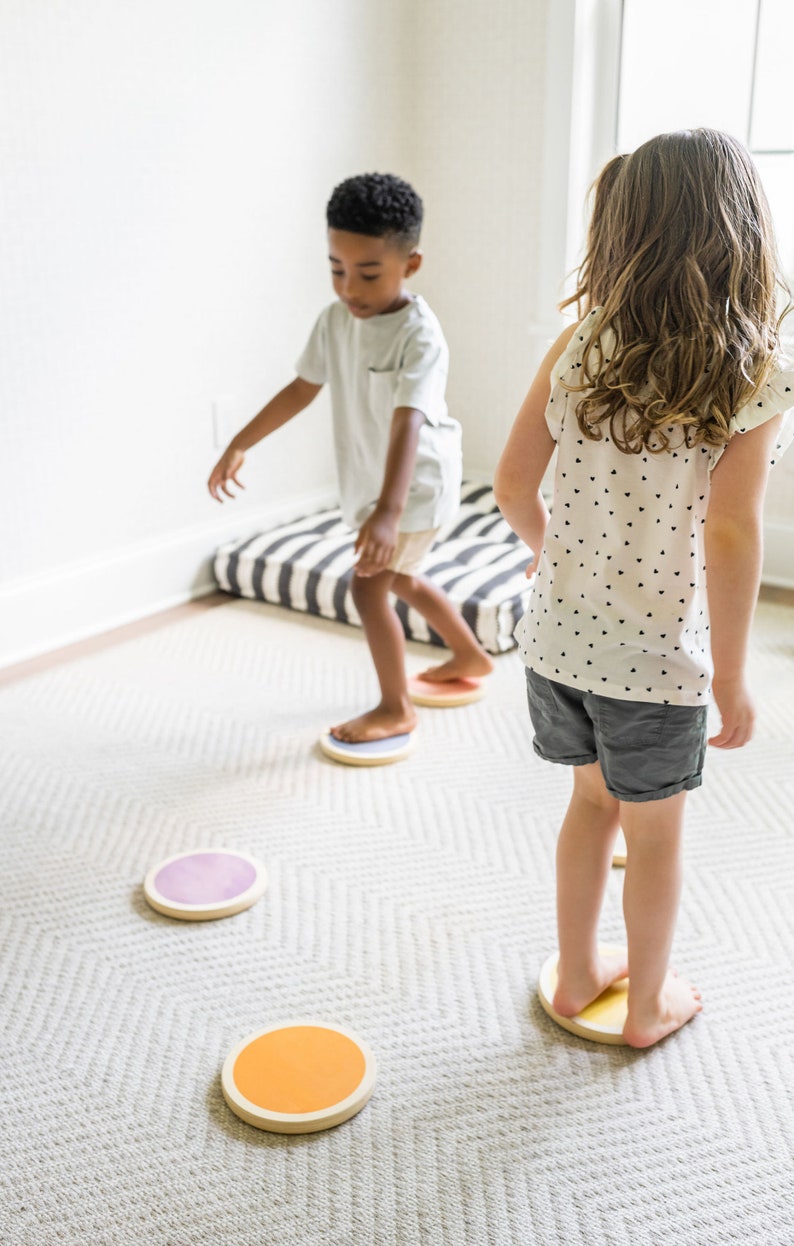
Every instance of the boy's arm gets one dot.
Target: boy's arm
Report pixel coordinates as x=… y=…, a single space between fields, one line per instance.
x=526 y=457
x=377 y=537
x=286 y=404
x=734 y=551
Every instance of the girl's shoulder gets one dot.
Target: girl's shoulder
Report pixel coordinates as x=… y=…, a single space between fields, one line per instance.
x=775 y=397
x=571 y=358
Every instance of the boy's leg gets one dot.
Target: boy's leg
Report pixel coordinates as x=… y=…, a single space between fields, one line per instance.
x=395 y=714
x=469 y=659
x=659 y=1001
x=584 y=859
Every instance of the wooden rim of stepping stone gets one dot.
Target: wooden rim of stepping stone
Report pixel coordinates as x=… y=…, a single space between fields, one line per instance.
x=204 y=884
x=298 y=1078
x=368 y=752
x=445 y=695
x=601 y=1021
x=619 y=850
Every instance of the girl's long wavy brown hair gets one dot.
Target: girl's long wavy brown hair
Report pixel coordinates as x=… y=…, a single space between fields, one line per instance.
x=681 y=256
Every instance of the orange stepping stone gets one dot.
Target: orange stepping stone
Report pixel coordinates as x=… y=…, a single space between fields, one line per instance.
x=298 y=1078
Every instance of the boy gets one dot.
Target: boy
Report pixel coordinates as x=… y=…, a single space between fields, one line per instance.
x=382 y=351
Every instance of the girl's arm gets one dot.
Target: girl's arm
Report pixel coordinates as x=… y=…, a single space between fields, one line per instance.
x=734 y=552
x=526 y=457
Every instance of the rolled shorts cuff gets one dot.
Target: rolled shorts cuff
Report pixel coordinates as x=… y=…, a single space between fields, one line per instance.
x=588 y=759
x=580 y=759
x=686 y=785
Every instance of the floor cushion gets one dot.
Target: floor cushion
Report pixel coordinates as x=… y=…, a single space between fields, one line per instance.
x=307 y=565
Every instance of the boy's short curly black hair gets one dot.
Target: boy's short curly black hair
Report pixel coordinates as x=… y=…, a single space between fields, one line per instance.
x=379 y=205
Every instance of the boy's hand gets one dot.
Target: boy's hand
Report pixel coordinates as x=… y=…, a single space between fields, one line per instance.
x=376 y=543
x=226 y=469
x=736 y=711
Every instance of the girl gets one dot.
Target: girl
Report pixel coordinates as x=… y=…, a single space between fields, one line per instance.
x=665 y=405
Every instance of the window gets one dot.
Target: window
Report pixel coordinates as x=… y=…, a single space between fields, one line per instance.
x=704 y=62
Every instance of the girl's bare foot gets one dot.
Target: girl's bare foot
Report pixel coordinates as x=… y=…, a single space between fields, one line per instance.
x=678 y=1003
x=576 y=990
x=377 y=724
x=471 y=666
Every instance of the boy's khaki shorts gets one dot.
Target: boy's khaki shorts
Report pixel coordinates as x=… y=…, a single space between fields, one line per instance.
x=411 y=550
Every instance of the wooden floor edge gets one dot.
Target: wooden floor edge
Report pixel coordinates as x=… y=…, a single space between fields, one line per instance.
x=115 y=636
x=164 y=618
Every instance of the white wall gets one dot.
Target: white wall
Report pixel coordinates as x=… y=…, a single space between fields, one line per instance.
x=476 y=112
x=165 y=170
x=779 y=524
x=165 y=175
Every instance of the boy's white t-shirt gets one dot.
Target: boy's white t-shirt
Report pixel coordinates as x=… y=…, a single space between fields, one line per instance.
x=618 y=604
x=399 y=359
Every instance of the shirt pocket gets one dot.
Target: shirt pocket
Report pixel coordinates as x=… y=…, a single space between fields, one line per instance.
x=381 y=387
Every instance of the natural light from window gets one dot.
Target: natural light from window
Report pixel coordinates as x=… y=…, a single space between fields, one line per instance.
x=719 y=63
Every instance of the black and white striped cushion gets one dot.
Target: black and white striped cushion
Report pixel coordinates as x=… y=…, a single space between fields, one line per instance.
x=307 y=565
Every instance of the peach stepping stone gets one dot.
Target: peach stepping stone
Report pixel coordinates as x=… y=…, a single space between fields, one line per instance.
x=601 y=1021
x=619 y=850
x=298 y=1078
x=202 y=885
x=368 y=752
x=445 y=695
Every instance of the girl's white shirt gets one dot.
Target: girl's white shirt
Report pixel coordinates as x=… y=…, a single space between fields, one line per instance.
x=618 y=604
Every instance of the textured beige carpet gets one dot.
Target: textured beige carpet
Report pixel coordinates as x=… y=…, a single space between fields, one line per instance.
x=413 y=904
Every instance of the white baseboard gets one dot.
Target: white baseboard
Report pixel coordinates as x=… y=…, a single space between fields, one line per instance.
x=44 y=612
x=40 y=613
x=778 y=554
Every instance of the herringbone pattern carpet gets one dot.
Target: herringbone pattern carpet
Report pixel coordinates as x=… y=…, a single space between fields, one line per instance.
x=413 y=904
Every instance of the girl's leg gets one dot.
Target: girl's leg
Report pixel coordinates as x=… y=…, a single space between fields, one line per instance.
x=468 y=659
x=584 y=859
x=659 y=1001
x=395 y=713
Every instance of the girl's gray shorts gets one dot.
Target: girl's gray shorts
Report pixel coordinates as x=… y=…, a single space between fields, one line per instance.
x=647 y=750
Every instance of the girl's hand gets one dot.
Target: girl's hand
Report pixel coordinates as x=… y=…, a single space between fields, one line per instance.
x=375 y=543
x=226 y=469
x=736 y=711
x=530 y=571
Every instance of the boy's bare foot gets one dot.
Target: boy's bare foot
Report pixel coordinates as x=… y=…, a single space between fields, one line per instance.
x=472 y=666
x=575 y=991
x=646 y=1024
x=377 y=724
